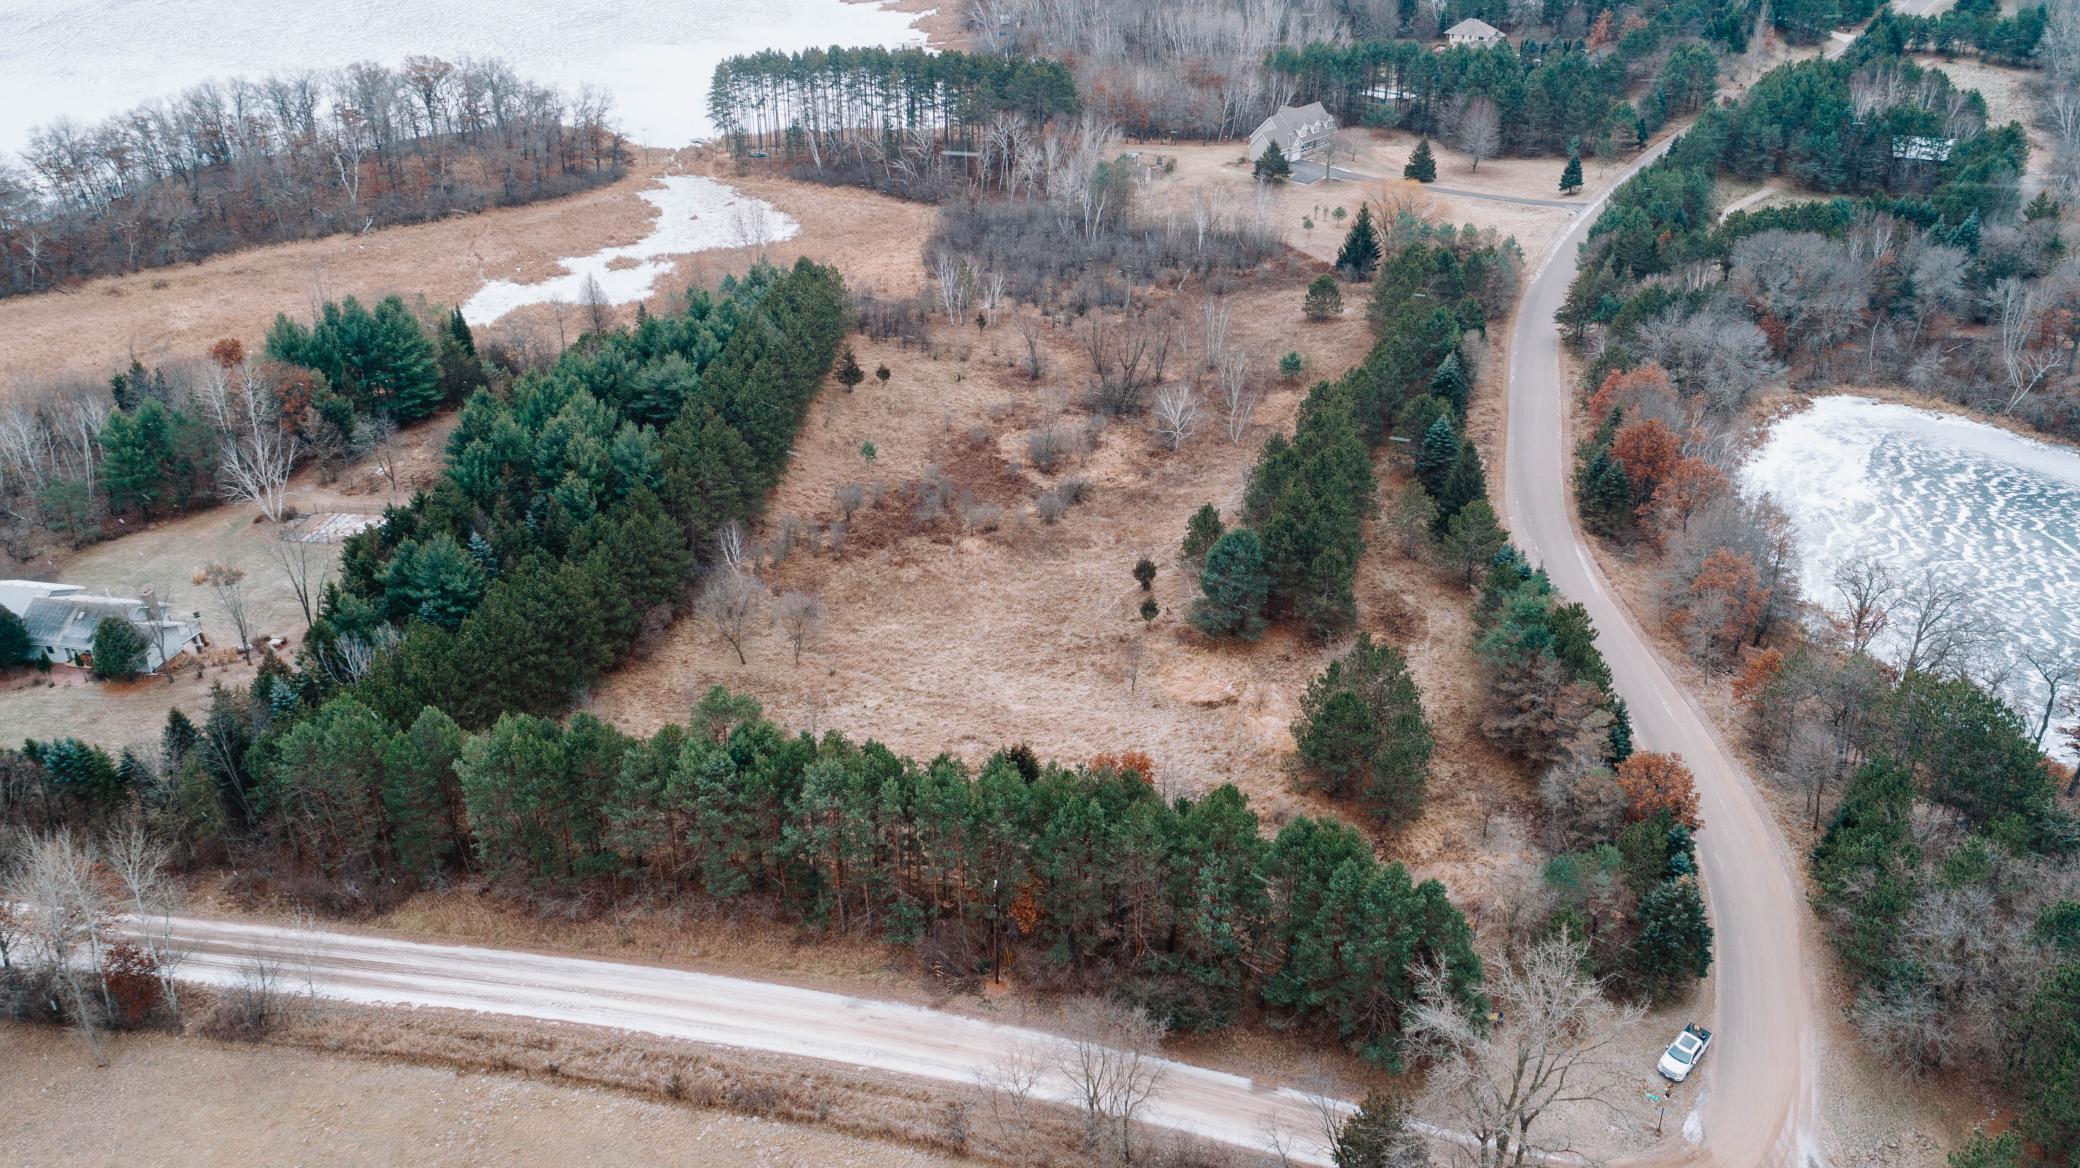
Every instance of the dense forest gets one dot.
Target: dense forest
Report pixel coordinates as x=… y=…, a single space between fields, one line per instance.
x=1945 y=849
x=232 y=164
x=1214 y=68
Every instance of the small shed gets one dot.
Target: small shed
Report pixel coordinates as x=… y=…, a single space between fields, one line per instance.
x=1299 y=131
x=1474 y=31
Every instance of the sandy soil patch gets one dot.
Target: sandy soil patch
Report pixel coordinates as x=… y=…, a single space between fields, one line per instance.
x=269 y=1105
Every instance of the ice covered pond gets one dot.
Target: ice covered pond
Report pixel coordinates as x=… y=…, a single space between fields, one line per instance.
x=87 y=59
x=694 y=214
x=1927 y=491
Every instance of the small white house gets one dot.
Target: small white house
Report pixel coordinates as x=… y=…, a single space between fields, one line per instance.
x=1300 y=131
x=61 y=619
x=1474 y=31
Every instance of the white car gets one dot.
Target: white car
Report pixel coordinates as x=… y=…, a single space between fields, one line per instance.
x=1682 y=1054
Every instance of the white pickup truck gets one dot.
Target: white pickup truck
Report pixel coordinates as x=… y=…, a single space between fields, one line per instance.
x=1682 y=1054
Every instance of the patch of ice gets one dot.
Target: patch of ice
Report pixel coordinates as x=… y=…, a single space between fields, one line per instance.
x=87 y=59
x=1693 y=1125
x=694 y=214
x=1926 y=491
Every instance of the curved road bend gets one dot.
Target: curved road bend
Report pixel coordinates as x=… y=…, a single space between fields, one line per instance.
x=724 y=1011
x=1757 y=1103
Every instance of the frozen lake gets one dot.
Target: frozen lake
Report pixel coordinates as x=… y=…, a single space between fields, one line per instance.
x=1930 y=491
x=86 y=59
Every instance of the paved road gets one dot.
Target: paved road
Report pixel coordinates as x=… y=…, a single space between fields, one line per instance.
x=1757 y=1105
x=1314 y=172
x=726 y=1011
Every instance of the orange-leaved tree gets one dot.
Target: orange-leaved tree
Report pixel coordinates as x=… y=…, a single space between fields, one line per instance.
x=1659 y=782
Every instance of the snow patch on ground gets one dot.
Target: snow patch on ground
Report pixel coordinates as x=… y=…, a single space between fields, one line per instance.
x=694 y=214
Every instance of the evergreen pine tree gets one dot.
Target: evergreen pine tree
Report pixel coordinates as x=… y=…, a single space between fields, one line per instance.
x=120 y=651
x=137 y=451
x=2040 y=208
x=849 y=373
x=1235 y=587
x=1272 y=165
x=1571 y=174
x=14 y=639
x=1324 y=299
x=1464 y=483
x=1674 y=946
x=1422 y=165
x=1379 y=1135
x=1435 y=455
x=398 y=367
x=1360 y=253
x=1473 y=537
x=1449 y=383
x=1200 y=532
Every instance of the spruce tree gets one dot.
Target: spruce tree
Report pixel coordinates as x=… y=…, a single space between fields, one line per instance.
x=1464 y=483
x=1422 y=165
x=1435 y=455
x=849 y=373
x=1200 y=532
x=14 y=639
x=120 y=651
x=1674 y=946
x=1571 y=175
x=137 y=455
x=1379 y=1135
x=1272 y=165
x=1473 y=537
x=1360 y=253
x=1449 y=383
x=1324 y=299
x=1362 y=732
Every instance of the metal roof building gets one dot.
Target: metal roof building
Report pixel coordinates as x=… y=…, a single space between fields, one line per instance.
x=61 y=619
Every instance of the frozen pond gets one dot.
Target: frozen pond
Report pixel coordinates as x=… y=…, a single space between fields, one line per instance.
x=87 y=59
x=694 y=214
x=1929 y=491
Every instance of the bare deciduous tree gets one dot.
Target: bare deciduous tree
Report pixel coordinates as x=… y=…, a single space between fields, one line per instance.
x=1940 y=629
x=65 y=920
x=1176 y=413
x=1011 y=1100
x=1480 y=130
x=1241 y=392
x=732 y=594
x=139 y=863
x=228 y=583
x=801 y=614
x=306 y=570
x=1561 y=1047
x=1869 y=590
x=256 y=451
x=599 y=311
x=1109 y=1057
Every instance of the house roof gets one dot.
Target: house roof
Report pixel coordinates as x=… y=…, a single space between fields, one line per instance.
x=68 y=622
x=1919 y=149
x=1474 y=26
x=15 y=595
x=1292 y=123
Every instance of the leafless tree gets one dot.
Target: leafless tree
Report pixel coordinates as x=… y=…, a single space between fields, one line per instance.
x=1109 y=1055
x=1176 y=413
x=256 y=451
x=65 y=919
x=1010 y=1097
x=1480 y=130
x=849 y=497
x=349 y=657
x=1241 y=392
x=305 y=569
x=1561 y=1048
x=732 y=594
x=1940 y=628
x=1029 y=329
x=1869 y=591
x=801 y=614
x=2055 y=672
x=228 y=583
x=2019 y=308
x=139 y=862
x=599 y=311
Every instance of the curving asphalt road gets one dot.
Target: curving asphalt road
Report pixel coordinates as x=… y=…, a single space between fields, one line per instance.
x=1756 y=1106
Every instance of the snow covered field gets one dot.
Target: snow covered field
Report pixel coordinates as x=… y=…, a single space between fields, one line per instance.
x=86 y=59
x=694 y=214
x=1928 y=491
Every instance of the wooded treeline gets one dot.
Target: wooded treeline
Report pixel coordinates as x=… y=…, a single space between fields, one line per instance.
x=1947 y=873
x=238 y=163
x=1545 y=96
x=834 y=102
